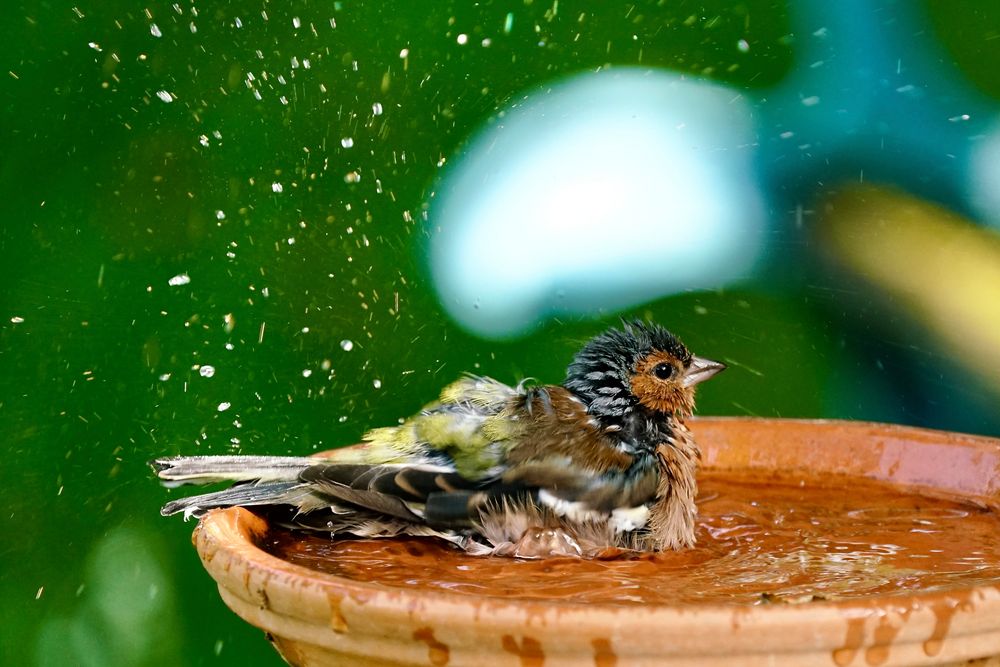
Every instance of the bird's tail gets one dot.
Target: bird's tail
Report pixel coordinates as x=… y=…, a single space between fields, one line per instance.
x=260 y=480
x=180 y=470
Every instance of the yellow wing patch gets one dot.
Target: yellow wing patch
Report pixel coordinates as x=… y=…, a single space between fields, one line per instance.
x=479 y=392
x=476 y=437
x=390 y=444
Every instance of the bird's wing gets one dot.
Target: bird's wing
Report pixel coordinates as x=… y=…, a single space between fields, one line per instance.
x=509 y=446
x=462 y=430
x=448 y=452
x=436 y=495
x=568 y=457
x=559 y=480
x=395 y=489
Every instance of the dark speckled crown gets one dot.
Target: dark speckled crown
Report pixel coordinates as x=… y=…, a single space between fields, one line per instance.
x=600 y=373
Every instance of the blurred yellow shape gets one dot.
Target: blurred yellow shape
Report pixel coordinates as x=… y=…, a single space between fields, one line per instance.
x=940 y=268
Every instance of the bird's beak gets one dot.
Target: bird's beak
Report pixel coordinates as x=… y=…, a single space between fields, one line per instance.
x=700 y=370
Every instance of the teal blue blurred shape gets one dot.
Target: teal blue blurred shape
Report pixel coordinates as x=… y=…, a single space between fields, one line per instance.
x=600 y=192
x=874 y=97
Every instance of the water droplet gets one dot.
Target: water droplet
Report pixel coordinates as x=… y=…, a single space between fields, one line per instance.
x=225 y=405
x=346 y=345
x=306 y=372
x=404 y=53
x=377 y=383
x=743 y=45
x=179 y=279
x=347 y=142
x=462 y=39
x=206 y=371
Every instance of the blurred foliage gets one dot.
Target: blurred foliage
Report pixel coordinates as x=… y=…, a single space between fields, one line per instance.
x=970 y=31
x=281 y=156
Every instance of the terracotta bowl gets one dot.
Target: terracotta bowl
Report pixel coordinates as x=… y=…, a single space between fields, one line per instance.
x=314 y=618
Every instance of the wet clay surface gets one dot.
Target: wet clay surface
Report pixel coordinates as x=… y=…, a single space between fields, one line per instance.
x=760 y=541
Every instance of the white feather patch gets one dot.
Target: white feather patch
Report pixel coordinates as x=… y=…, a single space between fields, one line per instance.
x=576 y=512
x=627 y=519
x=621 y=520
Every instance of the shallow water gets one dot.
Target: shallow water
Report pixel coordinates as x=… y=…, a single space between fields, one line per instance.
x=778 y=540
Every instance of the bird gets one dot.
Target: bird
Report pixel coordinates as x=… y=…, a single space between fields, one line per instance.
x=603 y=463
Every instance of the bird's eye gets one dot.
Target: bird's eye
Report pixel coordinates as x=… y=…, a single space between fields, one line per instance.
x=663 y=371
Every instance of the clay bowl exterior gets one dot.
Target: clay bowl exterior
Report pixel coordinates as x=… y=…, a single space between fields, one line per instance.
x=316 y=619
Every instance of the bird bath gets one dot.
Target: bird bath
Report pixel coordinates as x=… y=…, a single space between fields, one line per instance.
x=839 y=543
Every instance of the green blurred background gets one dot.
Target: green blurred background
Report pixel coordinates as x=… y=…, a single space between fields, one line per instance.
x=205 y=144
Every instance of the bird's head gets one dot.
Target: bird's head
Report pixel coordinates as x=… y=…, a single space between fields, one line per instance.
x=640 y=364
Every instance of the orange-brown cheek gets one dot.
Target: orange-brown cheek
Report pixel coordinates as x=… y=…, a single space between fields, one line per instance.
x=655 y=394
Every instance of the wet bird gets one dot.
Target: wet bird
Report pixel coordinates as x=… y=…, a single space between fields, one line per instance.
x=603 y=462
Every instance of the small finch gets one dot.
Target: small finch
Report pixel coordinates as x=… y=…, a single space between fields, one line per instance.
x=601 y=463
